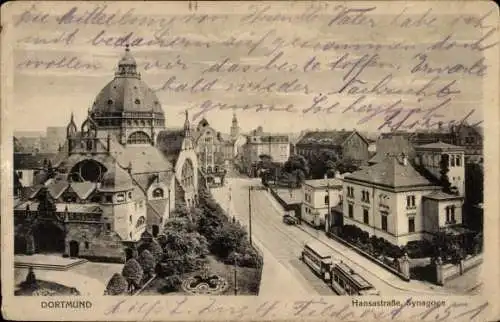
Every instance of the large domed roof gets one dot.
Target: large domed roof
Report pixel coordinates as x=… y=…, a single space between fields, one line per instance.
x=126 y=92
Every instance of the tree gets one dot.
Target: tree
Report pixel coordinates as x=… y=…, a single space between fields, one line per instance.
x=117 y=285
x=300 y=177
x=184 y=251
x=323 y=162
x=30 y=280
x=265 y=163
x=346 y=164
x=228 y=238
x=131 y=252
x=443 y=165
x=172 y=283
x=180 y=224
x=474 y=183
x=156 y=250
x=298 y=167
x=133 y=273
x=147 y=262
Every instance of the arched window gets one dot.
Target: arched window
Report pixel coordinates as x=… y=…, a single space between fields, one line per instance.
x=158 y=193
x=140 y=222
x=87 y=170
x=138 y=138
x=187 y=175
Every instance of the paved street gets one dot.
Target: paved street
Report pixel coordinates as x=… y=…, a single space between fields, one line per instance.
x=281 y=242
x=285 y=242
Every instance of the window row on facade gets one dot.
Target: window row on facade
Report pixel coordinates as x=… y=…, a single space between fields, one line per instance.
x=383 y=219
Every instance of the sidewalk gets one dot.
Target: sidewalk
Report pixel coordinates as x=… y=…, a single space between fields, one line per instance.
x=275 y=276
x=382 y=274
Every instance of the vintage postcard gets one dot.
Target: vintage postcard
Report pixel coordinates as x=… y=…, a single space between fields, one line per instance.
x=250 y=160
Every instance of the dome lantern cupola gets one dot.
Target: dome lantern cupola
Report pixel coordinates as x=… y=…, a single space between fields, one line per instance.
x=127 y=67
x=127 y=107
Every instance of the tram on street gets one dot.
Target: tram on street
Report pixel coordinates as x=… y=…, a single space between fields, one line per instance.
x=344 y=281
x=318 y=257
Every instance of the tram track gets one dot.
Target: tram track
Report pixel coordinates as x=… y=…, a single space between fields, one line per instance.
x=356 y=264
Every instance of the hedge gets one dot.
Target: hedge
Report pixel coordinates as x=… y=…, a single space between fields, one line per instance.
x=374 y=245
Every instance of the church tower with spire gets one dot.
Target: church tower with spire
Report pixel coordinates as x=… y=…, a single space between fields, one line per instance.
x=235 y=129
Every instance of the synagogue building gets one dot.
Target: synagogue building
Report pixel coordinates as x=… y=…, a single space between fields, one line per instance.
x=119 y=174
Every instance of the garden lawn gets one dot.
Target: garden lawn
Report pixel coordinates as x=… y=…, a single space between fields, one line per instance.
x=248 y=280
x=54 y=289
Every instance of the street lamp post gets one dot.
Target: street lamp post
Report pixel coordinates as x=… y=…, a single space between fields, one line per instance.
x=328 y=216
x=250 y=213
x=236 y=274
x=168 y=202
x=229 y=202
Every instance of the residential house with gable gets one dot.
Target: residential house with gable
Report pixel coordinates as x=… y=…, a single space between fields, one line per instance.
x=401 y=202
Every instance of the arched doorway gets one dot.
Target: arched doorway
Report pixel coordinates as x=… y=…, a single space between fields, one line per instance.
x=156 y=230
x=49 y=238
x=74 y=248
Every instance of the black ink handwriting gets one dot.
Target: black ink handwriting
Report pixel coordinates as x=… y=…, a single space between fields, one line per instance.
x=431 y=87
x=209 y=105
x=424 y=66
x=353 y=16
x=64 y=62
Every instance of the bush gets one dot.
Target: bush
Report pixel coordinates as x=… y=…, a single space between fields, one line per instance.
x=117 y=285
x=245 y=257
x=132 y=272
x=156 y=250
x=184 y=252
x=147 y=262
x=375 y=246
x=419 y=249
x=130 y=253
x=172 y=284
x=227 y=239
